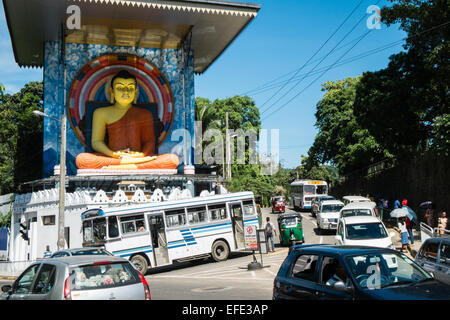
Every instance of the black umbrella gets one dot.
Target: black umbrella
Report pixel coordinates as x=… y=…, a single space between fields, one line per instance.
x=425 y=204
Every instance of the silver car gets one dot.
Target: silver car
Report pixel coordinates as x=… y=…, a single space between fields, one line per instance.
x=79 y=278
x=434 y=256
x=81 y=252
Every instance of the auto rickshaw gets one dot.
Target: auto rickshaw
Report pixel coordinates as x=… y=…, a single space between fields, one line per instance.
x=291 y=229
x=278 y=204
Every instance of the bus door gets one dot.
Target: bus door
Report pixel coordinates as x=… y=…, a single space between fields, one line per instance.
x=237 y=221
x=158 y=238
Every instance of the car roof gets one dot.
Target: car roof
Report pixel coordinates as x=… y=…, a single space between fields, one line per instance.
x=446 y=239
x=355 y=198
x=80 y=249
x=86 y=259
x=289 y=214
x=360 y=205
x=339 y=249
x=332 y=202
x=360 y=219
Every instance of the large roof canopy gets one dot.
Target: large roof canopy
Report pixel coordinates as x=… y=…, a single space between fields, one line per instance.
x=143 y=23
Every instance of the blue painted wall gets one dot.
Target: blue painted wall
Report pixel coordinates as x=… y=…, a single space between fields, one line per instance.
x=168 y=61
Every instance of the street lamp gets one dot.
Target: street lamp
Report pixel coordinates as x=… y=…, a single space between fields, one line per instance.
x=62 y=175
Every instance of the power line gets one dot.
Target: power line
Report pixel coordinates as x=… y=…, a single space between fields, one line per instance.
x=363 y=55
x=346 y=61
x=323 y=45
x=317 y=78
x=273 y=83
x=331 y=51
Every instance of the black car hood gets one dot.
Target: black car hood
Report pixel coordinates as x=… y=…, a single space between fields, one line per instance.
x=430 y=290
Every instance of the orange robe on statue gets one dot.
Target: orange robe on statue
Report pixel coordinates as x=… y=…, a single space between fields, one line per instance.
x=133 y=131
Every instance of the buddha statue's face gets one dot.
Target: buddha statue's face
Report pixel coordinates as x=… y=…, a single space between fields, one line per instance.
x=124 y=91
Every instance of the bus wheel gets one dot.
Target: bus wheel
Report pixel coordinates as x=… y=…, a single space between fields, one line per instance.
x=220 y=251
x=140 y=263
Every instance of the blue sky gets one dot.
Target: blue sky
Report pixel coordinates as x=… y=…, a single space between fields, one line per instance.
x=283 y=36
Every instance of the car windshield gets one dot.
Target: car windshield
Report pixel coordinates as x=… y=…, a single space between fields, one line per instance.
x=365 y=231
x=102 y=276
x=356 y=212
x=380 y=270
x=332 y=207
x=96 y=252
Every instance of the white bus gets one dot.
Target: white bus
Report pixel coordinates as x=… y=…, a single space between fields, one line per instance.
x=302 y=192
x=157 y=234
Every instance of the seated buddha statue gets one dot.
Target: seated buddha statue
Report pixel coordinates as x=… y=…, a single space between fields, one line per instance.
x=131 y=136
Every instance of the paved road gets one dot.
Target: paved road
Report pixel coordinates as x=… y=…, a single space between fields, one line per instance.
x=231 y=279
x=228 y=280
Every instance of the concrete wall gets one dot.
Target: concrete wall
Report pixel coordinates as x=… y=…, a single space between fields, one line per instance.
x=425 y=178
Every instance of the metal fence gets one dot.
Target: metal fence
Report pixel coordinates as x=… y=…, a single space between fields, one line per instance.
x=429 y=232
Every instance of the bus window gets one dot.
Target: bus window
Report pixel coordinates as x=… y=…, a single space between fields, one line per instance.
x=196 y=215
x=175 y=218
x=248 y=208
x=99 y=226
x=321 y=190
x=132 y=224
x=217 y=212
x=113 y=229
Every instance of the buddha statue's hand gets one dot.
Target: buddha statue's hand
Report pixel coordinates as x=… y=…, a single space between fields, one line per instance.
x=127 y=154
x=135 y=160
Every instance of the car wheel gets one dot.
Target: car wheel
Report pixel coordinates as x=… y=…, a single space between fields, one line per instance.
x=220 y=251
x=140 y=263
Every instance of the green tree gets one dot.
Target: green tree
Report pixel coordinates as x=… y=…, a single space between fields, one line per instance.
x=341 y=141
x=404 y=106
x=5 y=220
x=20 y=137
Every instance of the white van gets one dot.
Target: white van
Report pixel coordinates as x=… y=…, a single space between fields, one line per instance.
x=350 y=199
x=363 y=231
x=328 y=214
x=358 y=209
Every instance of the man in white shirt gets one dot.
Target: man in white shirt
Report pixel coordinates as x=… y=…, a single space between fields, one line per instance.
x=270 y=231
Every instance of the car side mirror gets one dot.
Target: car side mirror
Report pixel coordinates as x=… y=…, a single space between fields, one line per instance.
x=392 y=234
x=7 y=288
x=340 y=286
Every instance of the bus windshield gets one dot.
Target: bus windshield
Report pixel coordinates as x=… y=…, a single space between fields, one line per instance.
x=309 y=189
x=94 y=230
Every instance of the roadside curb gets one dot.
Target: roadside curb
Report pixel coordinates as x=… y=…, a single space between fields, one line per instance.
x=7 y=278
x=277 y=252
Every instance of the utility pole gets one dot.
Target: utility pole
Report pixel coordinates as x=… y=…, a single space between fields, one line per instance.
x=62 y=182
x=227 y=147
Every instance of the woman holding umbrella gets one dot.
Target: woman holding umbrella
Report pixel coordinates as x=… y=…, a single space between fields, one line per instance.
x=403 y=234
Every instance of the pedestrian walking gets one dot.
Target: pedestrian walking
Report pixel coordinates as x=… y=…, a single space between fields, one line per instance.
x=403 y=234
x=442 y=223
x=429 y=215
x=410 y=226
x=47 y=252
x=380 y=209
x=270 y=231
